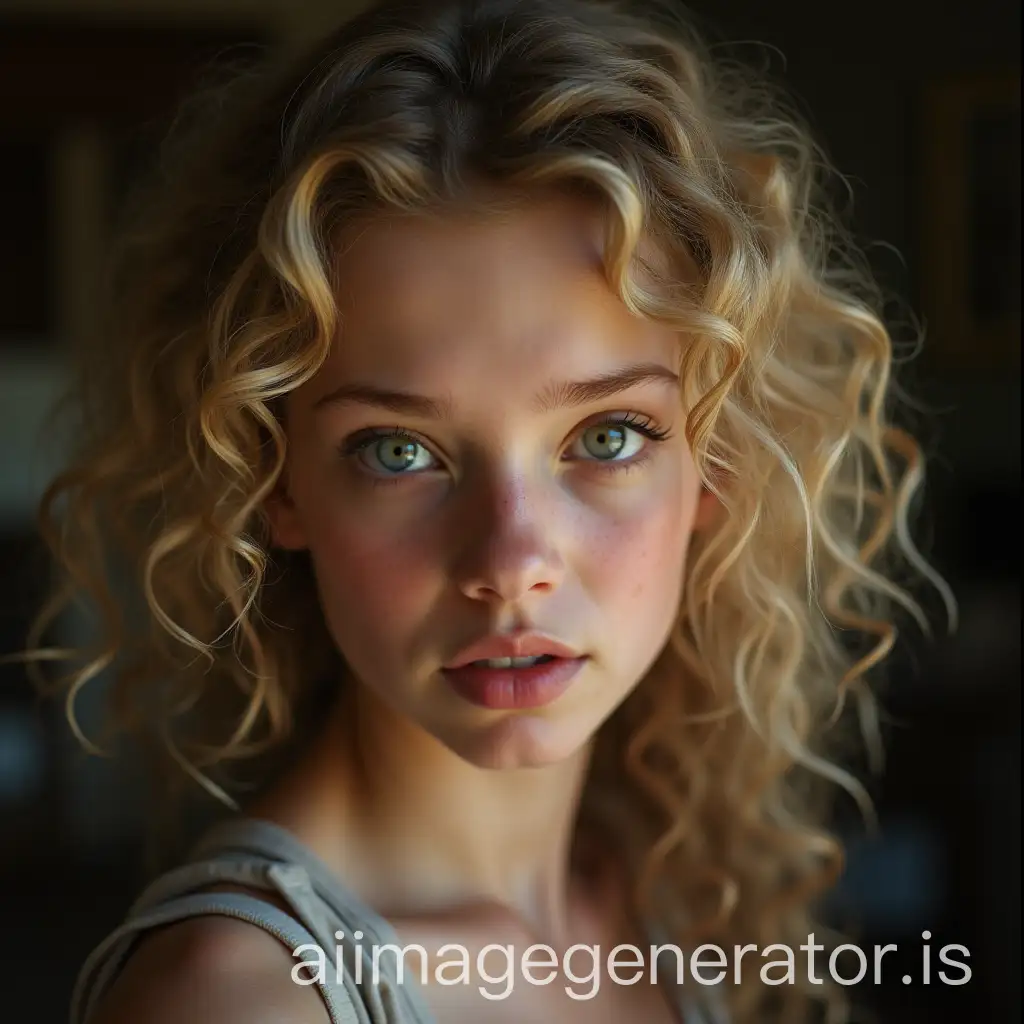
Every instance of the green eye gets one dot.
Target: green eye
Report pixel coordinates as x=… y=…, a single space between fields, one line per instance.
x=604 y=441
x=388 y=453
x=395 y=454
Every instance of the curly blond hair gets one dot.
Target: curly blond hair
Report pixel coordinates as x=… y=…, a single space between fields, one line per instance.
x=221 y=302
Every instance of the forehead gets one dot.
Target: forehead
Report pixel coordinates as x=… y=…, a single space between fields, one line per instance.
x=437 y=300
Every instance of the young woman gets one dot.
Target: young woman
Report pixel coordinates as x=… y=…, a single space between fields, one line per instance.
x=488 y=422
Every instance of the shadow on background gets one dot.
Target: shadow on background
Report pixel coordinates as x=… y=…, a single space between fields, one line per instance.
x=920 y=108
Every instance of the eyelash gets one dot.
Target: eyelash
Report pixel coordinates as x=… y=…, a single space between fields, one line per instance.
x=642 y=424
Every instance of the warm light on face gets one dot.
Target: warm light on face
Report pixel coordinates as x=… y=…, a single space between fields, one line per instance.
x=495 y=442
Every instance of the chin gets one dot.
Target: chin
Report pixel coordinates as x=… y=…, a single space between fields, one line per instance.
x=520 y=740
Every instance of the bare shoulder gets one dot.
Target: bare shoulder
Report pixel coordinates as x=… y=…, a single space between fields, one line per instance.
x=210 y=970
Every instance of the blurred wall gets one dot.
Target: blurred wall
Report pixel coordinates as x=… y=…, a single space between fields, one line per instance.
x=292 y=21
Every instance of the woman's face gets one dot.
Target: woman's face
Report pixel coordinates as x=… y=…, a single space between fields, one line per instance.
x=453 y=479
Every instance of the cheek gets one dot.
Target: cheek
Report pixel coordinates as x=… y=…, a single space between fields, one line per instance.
x=640 y=555
x=373 y=586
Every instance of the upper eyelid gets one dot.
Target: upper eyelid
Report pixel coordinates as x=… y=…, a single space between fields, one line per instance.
x=628 y=417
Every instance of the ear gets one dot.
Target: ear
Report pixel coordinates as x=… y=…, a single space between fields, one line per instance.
x=286 y=530
x=709 y=508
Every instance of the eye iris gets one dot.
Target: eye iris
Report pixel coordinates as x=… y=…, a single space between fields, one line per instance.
x=608 y=440
x=395 y=454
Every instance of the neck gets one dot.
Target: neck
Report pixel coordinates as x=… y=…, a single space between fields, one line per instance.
x=416 y=830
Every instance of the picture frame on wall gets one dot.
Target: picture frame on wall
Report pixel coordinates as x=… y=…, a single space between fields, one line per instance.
x=970 y=220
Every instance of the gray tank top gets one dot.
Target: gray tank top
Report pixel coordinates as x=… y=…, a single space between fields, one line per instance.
x=265 y=857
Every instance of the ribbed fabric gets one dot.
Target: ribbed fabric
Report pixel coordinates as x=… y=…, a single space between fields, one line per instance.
x=265 y=857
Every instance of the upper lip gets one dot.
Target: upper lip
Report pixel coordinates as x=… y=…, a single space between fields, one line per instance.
x=512 y=645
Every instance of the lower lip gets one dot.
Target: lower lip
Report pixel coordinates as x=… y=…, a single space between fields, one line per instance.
x=514 y=688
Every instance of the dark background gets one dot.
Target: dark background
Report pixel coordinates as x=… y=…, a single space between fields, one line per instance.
x=919 y=106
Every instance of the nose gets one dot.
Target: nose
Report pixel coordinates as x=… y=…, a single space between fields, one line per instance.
x=509 y=551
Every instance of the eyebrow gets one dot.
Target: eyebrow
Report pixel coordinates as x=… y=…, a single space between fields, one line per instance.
x=569 y=394
x=561 y=395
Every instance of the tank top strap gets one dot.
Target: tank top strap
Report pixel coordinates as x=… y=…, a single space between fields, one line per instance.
x=157 y=909
x=312 y=889
x=263 y=858
x=290 y=882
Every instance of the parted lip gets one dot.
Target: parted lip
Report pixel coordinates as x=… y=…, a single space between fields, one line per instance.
x=512 y=645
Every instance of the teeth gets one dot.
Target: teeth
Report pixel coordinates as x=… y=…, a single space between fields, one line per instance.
x=513 y=662
x=523 y=662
